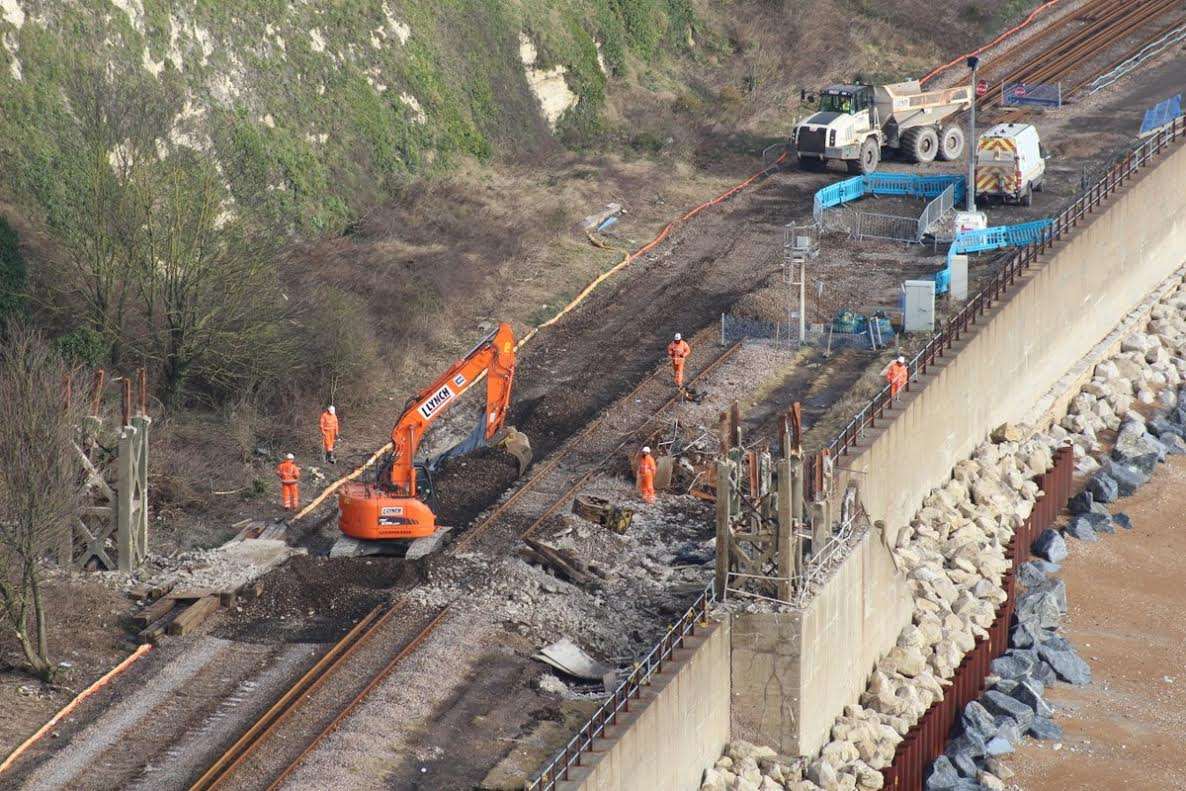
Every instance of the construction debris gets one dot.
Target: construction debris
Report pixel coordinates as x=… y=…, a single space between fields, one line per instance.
x=601 y=511
x=566 y=564
x=567 y=657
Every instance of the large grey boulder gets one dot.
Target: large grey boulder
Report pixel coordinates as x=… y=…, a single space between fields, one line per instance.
x=1030 y=693
x=1040 y=610
x=1126 y=477
x=999 y=703
x=1055 y=586
x=1122 y=519
x=977 y=719
x=1045 y=728
x=1051 y=546
x=1014 y=665
x=1175 y=445
x=1162 y=427
x=1080 y=503
x=1081 y=529
x=1026 y=636
x=1103 y=488
x=1067 y=664
x=942 y=776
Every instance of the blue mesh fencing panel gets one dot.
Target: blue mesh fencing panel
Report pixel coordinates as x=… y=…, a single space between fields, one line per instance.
x=1040 y=94
x=989 y=239
x=1161 y=114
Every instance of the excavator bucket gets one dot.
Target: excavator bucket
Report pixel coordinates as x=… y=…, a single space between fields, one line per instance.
x=517 y=444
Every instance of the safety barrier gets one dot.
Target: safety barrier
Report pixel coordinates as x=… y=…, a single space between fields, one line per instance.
x=928 y=738
x=1115 y=178
x=737 y=328
x=936 y=210
x=1035 y=94
x=618 y=702
x=1160 y=114
x=985 y=239
x=888 y=226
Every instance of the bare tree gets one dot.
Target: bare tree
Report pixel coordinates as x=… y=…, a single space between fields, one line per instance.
x=41 y=484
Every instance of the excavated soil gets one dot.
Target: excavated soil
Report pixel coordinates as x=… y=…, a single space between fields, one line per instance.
x=464 y=486
x=317 y=599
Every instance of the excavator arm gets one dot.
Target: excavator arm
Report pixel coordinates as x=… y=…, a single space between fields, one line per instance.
x=495 y=356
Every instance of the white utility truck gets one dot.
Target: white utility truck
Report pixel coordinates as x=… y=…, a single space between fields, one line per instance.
x=855 y=122
x=1010 y=164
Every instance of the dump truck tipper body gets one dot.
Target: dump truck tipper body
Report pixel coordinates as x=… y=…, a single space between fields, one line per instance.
x=855 y=122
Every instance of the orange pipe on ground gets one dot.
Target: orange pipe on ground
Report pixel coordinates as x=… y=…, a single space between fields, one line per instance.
x=627 y=259
x=72 y=705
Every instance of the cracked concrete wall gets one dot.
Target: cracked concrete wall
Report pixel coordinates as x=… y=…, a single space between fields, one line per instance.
x=794 y=672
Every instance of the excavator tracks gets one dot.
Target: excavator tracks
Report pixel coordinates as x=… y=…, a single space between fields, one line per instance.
x=280 y=740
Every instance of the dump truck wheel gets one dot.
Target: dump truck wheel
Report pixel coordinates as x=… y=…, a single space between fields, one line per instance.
x=951 y=143
x=920 y=144
x=869 y=158
x=1028 y=198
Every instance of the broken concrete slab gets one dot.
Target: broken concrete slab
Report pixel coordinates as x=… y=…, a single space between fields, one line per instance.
x=567 y=657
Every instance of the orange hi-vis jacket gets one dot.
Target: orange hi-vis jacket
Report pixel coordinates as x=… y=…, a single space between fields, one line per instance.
x=678 y=350
x=329 y=428
x=288 y=471
x=897 y=376
x=647 y=467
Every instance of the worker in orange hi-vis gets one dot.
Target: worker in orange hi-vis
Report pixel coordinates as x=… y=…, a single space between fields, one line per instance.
x=290 y=476
x=678 y=351
x=329 y=433
x=646 y=475
x=897 y=375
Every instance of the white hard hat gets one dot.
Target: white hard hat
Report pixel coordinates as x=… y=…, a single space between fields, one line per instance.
x=646 y=448
x=331 y=409
x=901 y=359
x=678 y=337
x=289 y=456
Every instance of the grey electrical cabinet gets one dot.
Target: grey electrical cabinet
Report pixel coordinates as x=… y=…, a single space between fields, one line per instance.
x=918 y=305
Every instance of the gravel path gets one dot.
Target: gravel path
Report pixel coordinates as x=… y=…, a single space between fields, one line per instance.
x=113 y=727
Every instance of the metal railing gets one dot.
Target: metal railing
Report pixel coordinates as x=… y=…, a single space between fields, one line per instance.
x=618 y=702
x=954 y=328
x=893 y=227
x=935 y=211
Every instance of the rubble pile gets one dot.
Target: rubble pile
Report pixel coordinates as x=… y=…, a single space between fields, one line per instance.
x=638 y=579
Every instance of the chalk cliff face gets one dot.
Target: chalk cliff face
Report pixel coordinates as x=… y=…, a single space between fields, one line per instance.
x=313 y=110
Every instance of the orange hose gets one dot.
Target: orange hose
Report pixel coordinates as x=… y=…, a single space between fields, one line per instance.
x=1024 y=23
x=72 y=705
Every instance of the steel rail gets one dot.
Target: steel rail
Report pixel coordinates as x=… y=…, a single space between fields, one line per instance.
x=342 y=651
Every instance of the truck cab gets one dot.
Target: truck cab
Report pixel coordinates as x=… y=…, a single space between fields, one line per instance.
x=844 y=127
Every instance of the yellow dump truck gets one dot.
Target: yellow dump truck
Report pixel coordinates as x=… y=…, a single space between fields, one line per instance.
x=855 y=122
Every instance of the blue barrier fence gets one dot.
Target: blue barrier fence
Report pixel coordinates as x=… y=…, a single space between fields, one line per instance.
x=988 y=239
x=1161 y=114
x=906 y=184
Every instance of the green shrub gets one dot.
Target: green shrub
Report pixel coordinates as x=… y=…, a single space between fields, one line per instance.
x=13 y=301
x=83 y=345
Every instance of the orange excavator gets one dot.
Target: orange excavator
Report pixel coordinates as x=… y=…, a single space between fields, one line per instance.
x=390 y=515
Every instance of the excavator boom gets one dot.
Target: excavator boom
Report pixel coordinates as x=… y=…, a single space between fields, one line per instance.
x=389 y=508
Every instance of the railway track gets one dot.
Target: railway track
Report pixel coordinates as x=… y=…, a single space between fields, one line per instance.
x=544 y=493
x=1071 y=44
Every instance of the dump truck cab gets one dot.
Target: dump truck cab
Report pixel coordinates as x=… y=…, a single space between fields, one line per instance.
x=844 y=127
